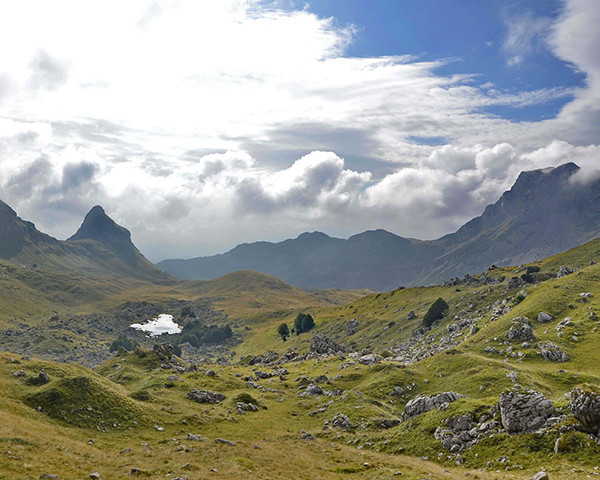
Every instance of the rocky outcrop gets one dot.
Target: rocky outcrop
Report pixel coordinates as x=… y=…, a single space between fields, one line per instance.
x=524 y=411
x=351 y=327
x=204 y=396
x=552 y=352
x=585 y=406
x=521 y=329
x=564 y=271
x=423 y=404
x=324 y=345
x=342 y=422
x=164 y=351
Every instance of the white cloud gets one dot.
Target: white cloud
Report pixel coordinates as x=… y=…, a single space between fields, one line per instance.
x=165 y=112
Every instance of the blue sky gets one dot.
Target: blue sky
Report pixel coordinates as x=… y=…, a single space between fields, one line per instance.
x=469 y=34
x=201 y=125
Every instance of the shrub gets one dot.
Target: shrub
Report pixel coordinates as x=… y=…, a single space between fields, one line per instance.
x=303 y=323
x=283 y=331
x=436 y=311
x=123 y=342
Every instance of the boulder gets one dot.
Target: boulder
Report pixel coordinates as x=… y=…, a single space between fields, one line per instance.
x=423 y=403
x=411 y=315
x=585 y=406
x=369 y=359
x=164 y=351
x=246 y=407
x=552 y=352
x=351 y=327
x=564 y=271
x=324 y=345
x=204 y=396
x=540 y=476
x=520 y=329
x=515 y=282
x=524 y=411
x=544 y=317
x=342 y=422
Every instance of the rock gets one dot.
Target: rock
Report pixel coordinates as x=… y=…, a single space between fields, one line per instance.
x=204 y=396
x=370 y=359
x=389 y=422
x=137 y=472
x=524 y=411
x=544 y=317
x=520 y=329
x=43 y=377
x=411 y=315
x=341 y=421
x=552 y=352
x=459 y=423
x=351 y=327
x=164 y=351
x=312 y=390
x=567 y=322
x=423 y=404
x=222 y=441
x=324 y=345
x=172 y=378
x=540 y=476
x=96 y=476
x=564 y=271
x=265 y=359
x=515 y=282
x=194 y=438
x=49 y=476
x=322 y=379
x=246 y=407
x=585 y=406
x=259 y=374
x=20 y=373
x=210 y=373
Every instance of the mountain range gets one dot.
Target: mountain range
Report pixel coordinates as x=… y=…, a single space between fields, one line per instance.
x=545 y=212
x=99 y=247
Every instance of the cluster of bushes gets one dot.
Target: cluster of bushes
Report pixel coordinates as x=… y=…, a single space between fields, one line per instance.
x=123 y=342
x=302 y=323
x=196 y=333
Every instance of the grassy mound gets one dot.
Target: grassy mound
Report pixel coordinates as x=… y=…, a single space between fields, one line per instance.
x=84 y=402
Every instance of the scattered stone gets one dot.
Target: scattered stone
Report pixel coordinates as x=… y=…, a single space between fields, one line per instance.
x=210 y=373
x=265 y=359
x=341 y=421
x=564 y=271
x=423 y=404
x=552 y=352
x=322 y=379
x=515 y=282
x=222 y=441
x=544 y=317
x=567 y=322
x=49 y=476
x=524 y=410
x=194 y=438
x=312 y=390
x=246 y=407
x=586 y=295
x=259 y=374
x=20 y=373
x=172 y=378
x=324 y=345
x=521 y=329
x=126 y=450
x=585 y=406
x=369 y=359
x=351 y=327
x=204 y=396
x=540 y=476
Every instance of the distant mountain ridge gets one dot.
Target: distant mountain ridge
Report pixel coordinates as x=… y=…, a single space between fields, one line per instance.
x=100 y=247
x=541 y=215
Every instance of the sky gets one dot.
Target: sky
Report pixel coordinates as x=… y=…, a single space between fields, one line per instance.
x=201 y=125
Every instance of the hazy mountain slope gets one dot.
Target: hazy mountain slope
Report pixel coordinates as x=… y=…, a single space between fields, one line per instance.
x=542 y=214
x=100 y=247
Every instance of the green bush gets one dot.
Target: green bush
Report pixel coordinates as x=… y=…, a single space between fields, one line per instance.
x=436 y=312
x=283 y=331
x=303 y=323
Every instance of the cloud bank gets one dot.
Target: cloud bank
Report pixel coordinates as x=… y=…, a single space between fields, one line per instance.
x=199 y=125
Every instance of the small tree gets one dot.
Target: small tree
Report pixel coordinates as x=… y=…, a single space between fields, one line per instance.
x=283 y=331
x=298 y=323
x=435 y=312
x=307 y=322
